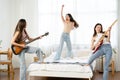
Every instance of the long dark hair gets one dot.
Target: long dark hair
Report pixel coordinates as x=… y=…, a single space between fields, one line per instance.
x=72 y=20
x=20 y=25
x=94 y=34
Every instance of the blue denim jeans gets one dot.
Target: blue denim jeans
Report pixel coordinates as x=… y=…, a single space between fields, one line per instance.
x=64 y=38
x=106 y=50
x=30 y=50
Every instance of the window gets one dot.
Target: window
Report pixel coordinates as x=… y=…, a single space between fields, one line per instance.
x=86 y=12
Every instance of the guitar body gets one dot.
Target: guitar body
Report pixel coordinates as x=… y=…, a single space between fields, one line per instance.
x=98 y=47
x=16 y=49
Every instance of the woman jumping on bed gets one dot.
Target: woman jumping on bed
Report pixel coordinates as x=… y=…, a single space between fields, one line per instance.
x=104 y=49
x=69 y=24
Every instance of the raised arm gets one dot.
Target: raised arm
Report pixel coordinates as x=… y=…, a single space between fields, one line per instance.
x=109 y=30
x=62 y=14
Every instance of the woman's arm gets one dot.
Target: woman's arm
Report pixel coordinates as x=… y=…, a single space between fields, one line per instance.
x=28 y=37
x=14 y=38
x=62 y=14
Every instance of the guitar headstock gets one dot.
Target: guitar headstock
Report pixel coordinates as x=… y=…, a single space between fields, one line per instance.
x=45 y=34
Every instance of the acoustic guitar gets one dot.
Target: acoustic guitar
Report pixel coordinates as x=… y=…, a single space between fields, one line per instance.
x=100 y=41
x=16 y=49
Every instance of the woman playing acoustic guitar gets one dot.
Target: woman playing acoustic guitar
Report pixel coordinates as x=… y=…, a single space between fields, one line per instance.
x=20 y=35
x=104 y=49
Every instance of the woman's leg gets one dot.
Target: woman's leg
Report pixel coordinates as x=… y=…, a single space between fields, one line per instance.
x=69 y=46
x=108 y=55
x=94 y=56
x=22 y=65
x=36 y=50
x=58 y=54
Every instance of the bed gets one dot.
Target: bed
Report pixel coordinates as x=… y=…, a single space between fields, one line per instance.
x=65 y=67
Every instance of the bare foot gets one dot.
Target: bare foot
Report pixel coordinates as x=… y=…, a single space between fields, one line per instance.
x=86 y=65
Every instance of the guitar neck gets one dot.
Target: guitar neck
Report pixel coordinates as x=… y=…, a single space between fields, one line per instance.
x=37 y=38
x=32 y=40
x=111 y=26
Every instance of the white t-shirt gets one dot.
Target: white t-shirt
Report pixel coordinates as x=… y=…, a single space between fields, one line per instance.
x=104 y=40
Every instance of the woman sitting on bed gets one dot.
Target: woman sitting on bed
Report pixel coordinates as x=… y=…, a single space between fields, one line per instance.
x=104 y=49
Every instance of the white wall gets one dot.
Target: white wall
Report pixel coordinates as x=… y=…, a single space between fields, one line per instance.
x=10 y=12
x=5 y=23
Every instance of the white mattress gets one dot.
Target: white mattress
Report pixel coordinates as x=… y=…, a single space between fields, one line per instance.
x=59 y=67
x=63 y=65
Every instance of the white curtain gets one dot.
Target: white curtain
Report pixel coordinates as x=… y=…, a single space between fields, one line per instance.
x=86 y=12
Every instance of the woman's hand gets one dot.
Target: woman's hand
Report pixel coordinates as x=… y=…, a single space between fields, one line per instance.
x=109 y=29
x=40 y=37
x=23 y=45
x=62 y=6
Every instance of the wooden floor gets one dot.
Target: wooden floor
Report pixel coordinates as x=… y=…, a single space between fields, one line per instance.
x=97 y=76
